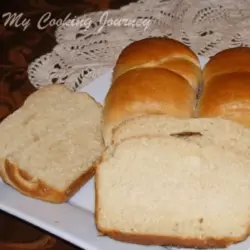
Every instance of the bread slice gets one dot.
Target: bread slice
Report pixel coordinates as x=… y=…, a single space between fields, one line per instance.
x=49 y=146
x=181 y=189
x=157 y=125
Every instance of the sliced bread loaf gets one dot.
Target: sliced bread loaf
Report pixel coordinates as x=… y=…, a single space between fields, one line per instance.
x=181 y=189
x=49 y=146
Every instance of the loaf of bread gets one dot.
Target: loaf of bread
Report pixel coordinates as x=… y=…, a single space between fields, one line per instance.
x=226 y=91
x=49 y=147
x=176 y=169
x=152 y=76
x=188 y=186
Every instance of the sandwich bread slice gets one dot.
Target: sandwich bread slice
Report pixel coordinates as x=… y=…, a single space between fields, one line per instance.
x=49 y=147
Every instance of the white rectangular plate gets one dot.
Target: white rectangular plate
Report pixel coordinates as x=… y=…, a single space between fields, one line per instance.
x=74 y=221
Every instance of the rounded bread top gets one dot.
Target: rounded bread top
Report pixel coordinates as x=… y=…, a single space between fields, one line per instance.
x=227 y=61
x=226 y=95
x=152 y=52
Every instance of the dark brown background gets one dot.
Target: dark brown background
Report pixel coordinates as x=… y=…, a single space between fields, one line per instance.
x=17 y=49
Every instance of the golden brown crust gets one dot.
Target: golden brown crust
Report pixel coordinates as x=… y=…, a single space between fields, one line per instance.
x=1 y=166
x=226 y=90
x=227 y=61
x=152 y=50
x=227 y=96
x=147 y=91
x=171 y=240
x=79 y=182
x=191 y=72
x=35 y=188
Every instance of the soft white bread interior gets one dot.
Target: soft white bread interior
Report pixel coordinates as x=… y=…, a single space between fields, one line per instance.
x=152 y=75
x=49 y=146
x=226 y=91
x=42 y=113
x=185 y=189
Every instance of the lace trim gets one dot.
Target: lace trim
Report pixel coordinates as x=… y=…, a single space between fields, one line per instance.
x=89 y=47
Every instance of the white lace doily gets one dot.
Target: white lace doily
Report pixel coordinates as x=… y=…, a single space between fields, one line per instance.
x=89 y=45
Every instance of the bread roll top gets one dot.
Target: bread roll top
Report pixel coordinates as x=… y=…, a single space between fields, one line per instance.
x=147 y=91
x=152 y=76
x=227 y=61
x=163 y=53
x=226 y=91
x=226 y=94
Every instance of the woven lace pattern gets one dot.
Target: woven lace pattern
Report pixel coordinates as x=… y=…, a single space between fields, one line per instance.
x=89 y=45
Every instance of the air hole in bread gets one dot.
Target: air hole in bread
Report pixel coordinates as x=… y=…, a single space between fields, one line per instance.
x=201 y=220
x=186 y=134
x=35 y=137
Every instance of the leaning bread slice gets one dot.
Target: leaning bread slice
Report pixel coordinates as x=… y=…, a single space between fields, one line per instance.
x=172 y=190
x=53 y=153
x=42 y=113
